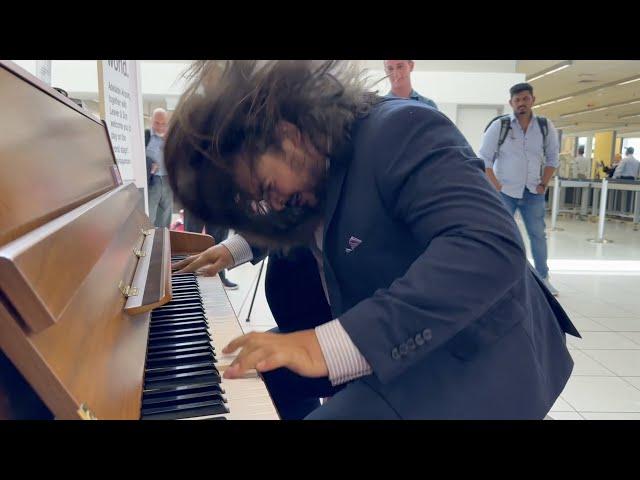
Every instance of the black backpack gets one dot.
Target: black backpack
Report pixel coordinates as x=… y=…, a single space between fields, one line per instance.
x=505 y=126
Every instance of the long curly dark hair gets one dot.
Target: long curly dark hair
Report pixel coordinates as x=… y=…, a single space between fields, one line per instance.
x=231 y=109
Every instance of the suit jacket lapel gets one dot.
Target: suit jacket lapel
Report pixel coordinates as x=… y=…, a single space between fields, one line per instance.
x=337 y=172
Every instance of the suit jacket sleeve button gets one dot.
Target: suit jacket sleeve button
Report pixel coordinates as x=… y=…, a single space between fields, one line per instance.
x=411 y=344
x=426 y=334
x=395 y=354
x=404 y=349
x=419 y=339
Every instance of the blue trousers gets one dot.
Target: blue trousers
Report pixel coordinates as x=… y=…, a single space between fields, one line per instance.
x=531 y=208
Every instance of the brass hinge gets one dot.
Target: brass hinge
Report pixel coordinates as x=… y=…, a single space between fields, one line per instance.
x=138 y=252
x=146 y=232
x=85 y=413
x=127 y=290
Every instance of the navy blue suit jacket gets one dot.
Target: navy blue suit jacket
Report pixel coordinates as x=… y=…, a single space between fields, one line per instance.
x=438 y=295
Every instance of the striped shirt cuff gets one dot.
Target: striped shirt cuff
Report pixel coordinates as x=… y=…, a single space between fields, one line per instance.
x=344 y=360
x=239 y=248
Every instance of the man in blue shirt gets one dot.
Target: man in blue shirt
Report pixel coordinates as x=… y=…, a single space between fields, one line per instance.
x=399 y=72
x=160 y=194
x=515 y=169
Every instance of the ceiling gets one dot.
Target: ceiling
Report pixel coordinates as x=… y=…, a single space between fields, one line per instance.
x=597 y=101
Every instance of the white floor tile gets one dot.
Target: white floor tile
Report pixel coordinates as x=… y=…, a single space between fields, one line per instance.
x=601 y=394
x=619 y=324
x=635 y=381
x=584 y=324
x=591 y=308
x=633 y=335
x=602 y=341
x=585 y=365
x=610 y=415
x=565 y=416
x=561 y=406
x=624 y=363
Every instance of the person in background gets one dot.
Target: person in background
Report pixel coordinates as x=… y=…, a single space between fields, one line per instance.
x=399 y=72
x=514 y=168
x=582 y=165
x=609 y=171
x=160 y=194
x=629 y=168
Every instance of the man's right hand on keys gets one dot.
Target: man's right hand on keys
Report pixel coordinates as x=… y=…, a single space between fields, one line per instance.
x=208 y=263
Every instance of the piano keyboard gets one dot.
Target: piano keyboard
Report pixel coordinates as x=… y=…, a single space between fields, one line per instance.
x=184 y=364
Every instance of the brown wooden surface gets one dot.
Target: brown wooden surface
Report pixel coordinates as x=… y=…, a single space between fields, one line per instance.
x=189 y=243
x=41 y=271
x=53 y=158
x=155 y=287
x=94 y=350
x=32 y=366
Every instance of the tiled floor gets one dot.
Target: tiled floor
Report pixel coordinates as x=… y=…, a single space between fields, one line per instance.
x=600 y=289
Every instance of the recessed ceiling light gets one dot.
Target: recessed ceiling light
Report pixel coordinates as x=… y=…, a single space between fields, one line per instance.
x=557 y=68
x=629 y=81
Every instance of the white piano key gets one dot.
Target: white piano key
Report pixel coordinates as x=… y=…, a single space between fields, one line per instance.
x=247 y=398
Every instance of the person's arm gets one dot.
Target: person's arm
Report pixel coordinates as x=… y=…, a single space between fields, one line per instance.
x=228 y=254
x=620 y=169
x=487 y=152
x=552 y=158
x=473 y=252
x=546 y=178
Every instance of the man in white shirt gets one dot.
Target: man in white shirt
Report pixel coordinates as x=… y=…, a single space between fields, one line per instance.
x=521 y=167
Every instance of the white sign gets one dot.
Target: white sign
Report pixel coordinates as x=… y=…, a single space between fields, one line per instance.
x=121 y=109
x=43 y=71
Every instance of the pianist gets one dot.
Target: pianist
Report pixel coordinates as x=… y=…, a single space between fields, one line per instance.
x=435 y=311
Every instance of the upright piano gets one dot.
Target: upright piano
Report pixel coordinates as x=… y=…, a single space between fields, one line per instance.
x=93 y=324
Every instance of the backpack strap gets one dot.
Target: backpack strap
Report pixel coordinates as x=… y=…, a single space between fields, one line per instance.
x=544 y=128
x=505 y=126
x=147 y=137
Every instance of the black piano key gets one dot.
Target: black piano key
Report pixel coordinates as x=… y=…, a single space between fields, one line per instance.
x=183 y=398
x=181 y=318
x=169 y=338
x=212 y=386
x=187 y=378
x=194 y=343
x=170 y=312
x=165 y=309
x=178 y=351
x=198 y=409
x=185 y=288
x=170 y=359
x=181 y=304
x=186 y=296
x=181 y=324
x=154 y=371
x=177 y=331
x=178 y=327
